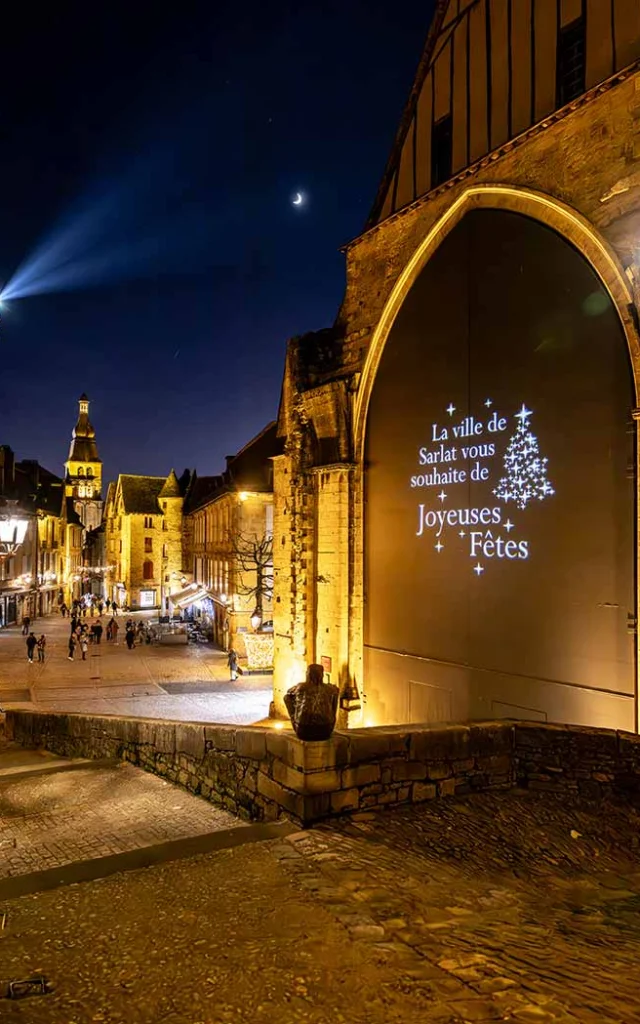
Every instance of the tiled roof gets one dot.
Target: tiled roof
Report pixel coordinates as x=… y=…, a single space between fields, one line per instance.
x=171 y=487
x=140 y=494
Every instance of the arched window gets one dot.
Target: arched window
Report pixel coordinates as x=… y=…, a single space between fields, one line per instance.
x=80 y=470
x=89 y=471
x=147 y=571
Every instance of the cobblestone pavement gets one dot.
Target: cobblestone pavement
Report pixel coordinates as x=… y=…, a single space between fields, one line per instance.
x=116 y=681
x=69 y=816
x=492 y=908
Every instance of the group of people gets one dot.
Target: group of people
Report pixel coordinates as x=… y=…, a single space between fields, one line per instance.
x=89 y=604
x=34 y=643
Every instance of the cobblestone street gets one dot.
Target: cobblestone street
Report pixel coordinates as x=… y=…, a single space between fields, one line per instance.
x=187 y=683
x=498 y=907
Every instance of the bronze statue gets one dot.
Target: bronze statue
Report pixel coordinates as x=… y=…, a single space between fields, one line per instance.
x=312 y=706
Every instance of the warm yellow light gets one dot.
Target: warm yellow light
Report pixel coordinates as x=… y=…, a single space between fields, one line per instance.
x=243 y=495
x=279 y=726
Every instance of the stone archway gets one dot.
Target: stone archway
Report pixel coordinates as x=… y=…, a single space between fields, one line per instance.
x=565 y=223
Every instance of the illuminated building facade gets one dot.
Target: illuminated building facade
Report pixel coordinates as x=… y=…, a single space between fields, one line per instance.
x=455 y=509
x=143 y=539
x=44 y=571
x=229 y=542
x=83 y=470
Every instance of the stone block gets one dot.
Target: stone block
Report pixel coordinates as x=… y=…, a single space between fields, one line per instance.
x=316 y=807
x=251 y=743
x=285 y=799
x=361 y=775
x=447 y=743
x=345 y=800
x=408 y=771
x=447 y=787
x=491 y=739
x=323 y=782
x=439 y=770
x=368 y=745
x=292 y=778
x=422 y=791
x=189 y=739
x=220 y=737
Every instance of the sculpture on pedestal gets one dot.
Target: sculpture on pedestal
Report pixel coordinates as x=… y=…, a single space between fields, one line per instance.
x=312 y=706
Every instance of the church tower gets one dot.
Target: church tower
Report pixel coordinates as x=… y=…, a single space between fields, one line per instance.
x=83 y=470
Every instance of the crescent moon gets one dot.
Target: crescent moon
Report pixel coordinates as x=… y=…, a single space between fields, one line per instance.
x=298 y=200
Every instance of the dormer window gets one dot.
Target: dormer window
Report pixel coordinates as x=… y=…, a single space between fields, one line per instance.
x=80 y=470
x=89 y=472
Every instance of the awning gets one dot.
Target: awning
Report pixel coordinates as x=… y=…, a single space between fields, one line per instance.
x=190 y=596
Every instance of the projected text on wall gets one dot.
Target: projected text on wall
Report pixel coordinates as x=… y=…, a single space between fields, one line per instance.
x=500 y=454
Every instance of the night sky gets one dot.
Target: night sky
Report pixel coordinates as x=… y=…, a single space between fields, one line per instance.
x=154 y=151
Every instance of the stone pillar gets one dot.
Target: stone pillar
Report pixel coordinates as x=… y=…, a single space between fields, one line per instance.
x=292 y=552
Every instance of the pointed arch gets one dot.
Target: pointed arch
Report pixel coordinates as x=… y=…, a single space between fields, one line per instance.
x=559 y=216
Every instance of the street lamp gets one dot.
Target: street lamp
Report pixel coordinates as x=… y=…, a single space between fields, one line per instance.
x=13 y=529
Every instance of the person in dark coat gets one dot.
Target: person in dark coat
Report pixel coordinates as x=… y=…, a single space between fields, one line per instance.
x=232 y=662
x=26 y=622
x=130 y=637
x=97 y=631
x=42 y=643
x=72 y=646
x=31 y=645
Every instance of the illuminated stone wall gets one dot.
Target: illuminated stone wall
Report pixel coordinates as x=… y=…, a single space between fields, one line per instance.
x=577 y=172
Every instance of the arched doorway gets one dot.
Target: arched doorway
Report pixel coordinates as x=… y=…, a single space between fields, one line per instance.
x=499 y=485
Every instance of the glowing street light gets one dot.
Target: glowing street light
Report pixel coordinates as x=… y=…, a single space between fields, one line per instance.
x=13 y=529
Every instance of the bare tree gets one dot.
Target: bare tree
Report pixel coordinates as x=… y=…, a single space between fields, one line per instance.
x=254 y=561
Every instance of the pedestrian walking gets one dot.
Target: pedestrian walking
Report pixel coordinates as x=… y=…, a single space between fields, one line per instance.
x=97 y=631
x=84 y=646
x=31 y=644
x=63 y=610
x=232 y=662
x=72 y=646
x=42 y=643
x=130 y=637
x=114 y=608
x=114 y=630
x=26 y=622
x=108 y=604
x=100 y=607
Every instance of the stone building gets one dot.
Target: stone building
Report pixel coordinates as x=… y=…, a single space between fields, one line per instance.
x=45 y=569
x=229 y=543
x=143 y=539
x=455 y=509
x=83 y=470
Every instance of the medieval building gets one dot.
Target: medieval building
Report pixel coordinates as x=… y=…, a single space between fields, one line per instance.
x=455 y=509
x=83 y=470
x=143 y=540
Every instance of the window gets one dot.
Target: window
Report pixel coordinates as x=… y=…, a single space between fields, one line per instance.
x=80 y=470
x=441 y=150
x=88 y=491
x=89 y=472
x=164 y=524
x=148 y=544
x=164 y=550
x=164 y=506
x=148 y=522
x=570 y=67
x=147 y=570
x=120 y=548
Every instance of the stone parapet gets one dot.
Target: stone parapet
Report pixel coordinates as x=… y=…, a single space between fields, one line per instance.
x=262 y=774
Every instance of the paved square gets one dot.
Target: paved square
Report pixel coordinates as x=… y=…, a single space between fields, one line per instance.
x=116 y=681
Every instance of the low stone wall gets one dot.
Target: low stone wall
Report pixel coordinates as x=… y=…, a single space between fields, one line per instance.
x=264 y=774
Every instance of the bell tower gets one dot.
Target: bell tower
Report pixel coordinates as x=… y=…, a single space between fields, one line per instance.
x=83 y=470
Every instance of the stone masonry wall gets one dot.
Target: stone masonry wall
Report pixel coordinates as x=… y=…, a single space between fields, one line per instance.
x=263 y=774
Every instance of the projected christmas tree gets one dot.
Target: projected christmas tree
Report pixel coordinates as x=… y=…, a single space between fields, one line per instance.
x=526 y=472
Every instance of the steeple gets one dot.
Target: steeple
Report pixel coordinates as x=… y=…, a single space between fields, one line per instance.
x=83 y=469
x=171 y=487
x=83 y=440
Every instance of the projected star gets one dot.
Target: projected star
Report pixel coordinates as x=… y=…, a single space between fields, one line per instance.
x=524 y=414
x=451 y=408
x=478 y=569
x=442 y=495
x=462 y=533
x=439 y=547
x=488 y=403
x=508 y=526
